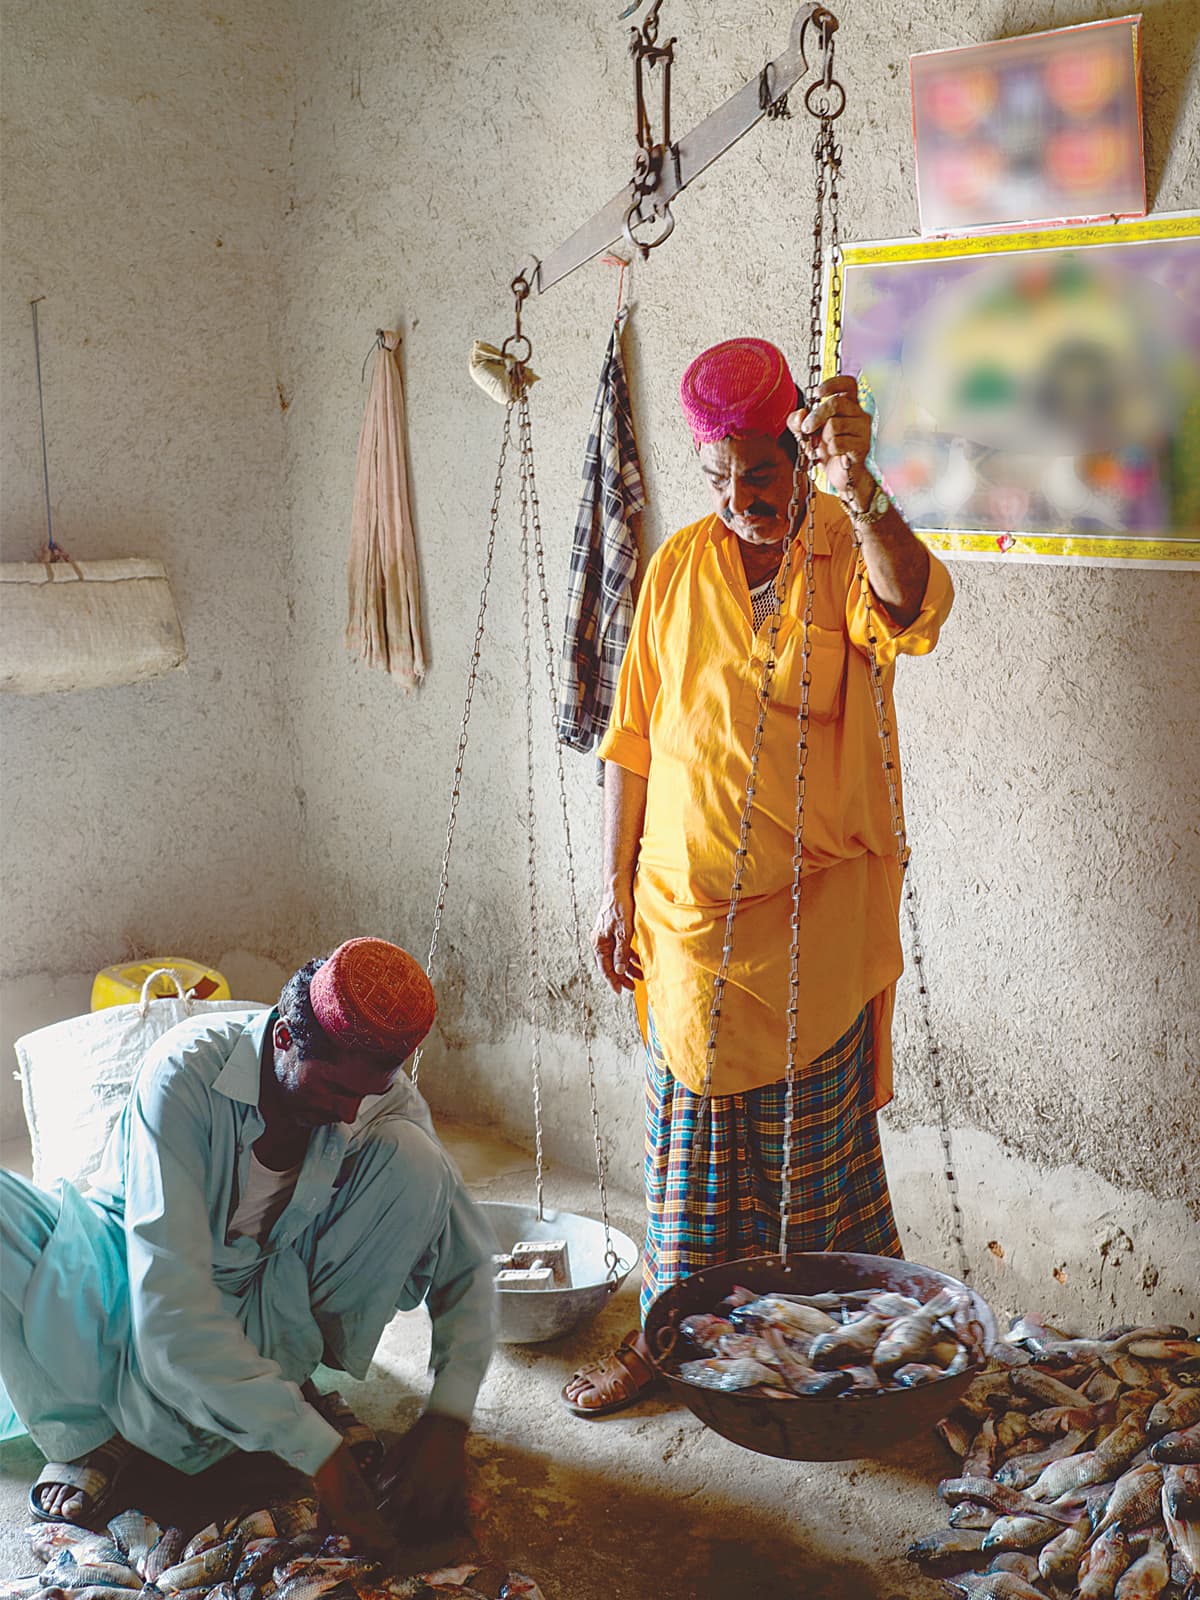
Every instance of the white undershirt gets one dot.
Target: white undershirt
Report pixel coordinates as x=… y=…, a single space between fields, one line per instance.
x=762 y=603
x=266 y=1197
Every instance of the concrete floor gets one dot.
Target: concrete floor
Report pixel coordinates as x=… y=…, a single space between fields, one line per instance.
x=645 y=1505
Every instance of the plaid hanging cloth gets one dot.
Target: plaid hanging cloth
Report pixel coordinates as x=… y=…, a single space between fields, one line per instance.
x=603 y=559
x=383 y=625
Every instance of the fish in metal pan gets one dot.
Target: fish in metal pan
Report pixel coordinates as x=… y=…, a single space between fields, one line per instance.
x=773 y=1311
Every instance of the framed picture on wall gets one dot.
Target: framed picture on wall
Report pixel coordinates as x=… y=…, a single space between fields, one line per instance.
x=1036 y=397
x=1042 y=128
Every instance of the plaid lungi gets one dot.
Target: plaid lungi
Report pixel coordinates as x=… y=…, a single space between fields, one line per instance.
x=840 y=1197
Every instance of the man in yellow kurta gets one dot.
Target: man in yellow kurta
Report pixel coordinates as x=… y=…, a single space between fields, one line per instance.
x=678 y=754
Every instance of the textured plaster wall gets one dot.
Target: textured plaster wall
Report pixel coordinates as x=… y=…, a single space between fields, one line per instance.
x=1049 y=744
x=144 y=157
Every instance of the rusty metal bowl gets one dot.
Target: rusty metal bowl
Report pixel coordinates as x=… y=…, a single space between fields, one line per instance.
x=810 y=1427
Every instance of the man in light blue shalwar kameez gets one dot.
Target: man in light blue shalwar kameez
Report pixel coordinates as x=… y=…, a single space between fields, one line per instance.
x=140 y=1313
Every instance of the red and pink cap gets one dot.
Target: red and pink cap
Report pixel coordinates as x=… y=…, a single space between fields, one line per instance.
x=371 y=995
x=739 y=387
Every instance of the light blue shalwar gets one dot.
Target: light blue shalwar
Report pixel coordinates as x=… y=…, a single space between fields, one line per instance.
x=130 y=1310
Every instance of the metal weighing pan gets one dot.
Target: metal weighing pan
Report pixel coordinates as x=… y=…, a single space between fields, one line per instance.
x=529 y=1316
x=811 y=1427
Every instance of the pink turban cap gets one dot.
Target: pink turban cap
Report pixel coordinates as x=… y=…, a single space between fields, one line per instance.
x=739 y=387
x=371 y=995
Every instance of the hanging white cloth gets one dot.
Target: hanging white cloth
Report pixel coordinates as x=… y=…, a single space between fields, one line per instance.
x=383 y=627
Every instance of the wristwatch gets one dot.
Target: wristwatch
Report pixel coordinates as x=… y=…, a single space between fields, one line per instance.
x=868 y=515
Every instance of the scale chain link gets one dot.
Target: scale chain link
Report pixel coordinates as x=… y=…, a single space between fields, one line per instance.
x=831 y=157
x=472 y=678
x=535 y=963
x=613 y=1263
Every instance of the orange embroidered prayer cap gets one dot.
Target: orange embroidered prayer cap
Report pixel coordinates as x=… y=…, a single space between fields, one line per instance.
x=371 y=995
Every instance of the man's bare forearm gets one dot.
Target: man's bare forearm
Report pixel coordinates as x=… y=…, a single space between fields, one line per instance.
x=624 y=816
x=896 y=560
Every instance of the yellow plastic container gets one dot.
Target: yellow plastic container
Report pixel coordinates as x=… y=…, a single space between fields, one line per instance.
x=122 y=986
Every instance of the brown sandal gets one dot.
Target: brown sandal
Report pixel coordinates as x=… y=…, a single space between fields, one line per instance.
x=621 y=1378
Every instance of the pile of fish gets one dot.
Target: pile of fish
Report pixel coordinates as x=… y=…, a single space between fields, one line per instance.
x=276 y=1554
x=1080 y=1470
x=852 y=1343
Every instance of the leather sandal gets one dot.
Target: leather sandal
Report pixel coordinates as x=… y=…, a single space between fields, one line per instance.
x=622 y=1379
x=94 y=1476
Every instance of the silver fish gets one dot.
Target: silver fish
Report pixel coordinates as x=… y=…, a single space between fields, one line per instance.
x=136 y=1534
x=1105 y=1562
x=704 y=1331
x=1071 y=1472
x=908 y=1339
x=165 y=1553
x=49 y=1539
x=1059 y=1560
x=947 y=1547
x=1148 y=1576
x=980 y=1460
x=1021 y=1472
x=776 y=1312
x=970 y=1514
x=1015 y=1561
x=956 y=1433
x=295 y=1517
x=259 y=1558
x=995 y=1586
x=1180 y=1409
x=1001 y=1498
x=1135 y=1500
x=209 y=1567
x=728 y=1374
x=1181 y=1449
x=252 y=1525
x=1019 y=1533
x=518 y=1587
x=1181 y=1513
x=848 y=1346
x=915 y=1373
x=66 y=1572
x=204 y=1540
x=1042 y=1387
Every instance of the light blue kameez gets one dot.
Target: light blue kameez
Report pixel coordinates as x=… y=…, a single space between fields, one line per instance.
x=129 y=1309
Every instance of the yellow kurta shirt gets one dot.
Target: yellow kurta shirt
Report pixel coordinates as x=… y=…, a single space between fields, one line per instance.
x=684 y=719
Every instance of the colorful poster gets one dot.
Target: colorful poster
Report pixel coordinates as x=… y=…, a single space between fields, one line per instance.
x=1043 y=128
x=1036 y=396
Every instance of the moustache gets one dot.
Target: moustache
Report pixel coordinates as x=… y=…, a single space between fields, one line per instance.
x=760 y=513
